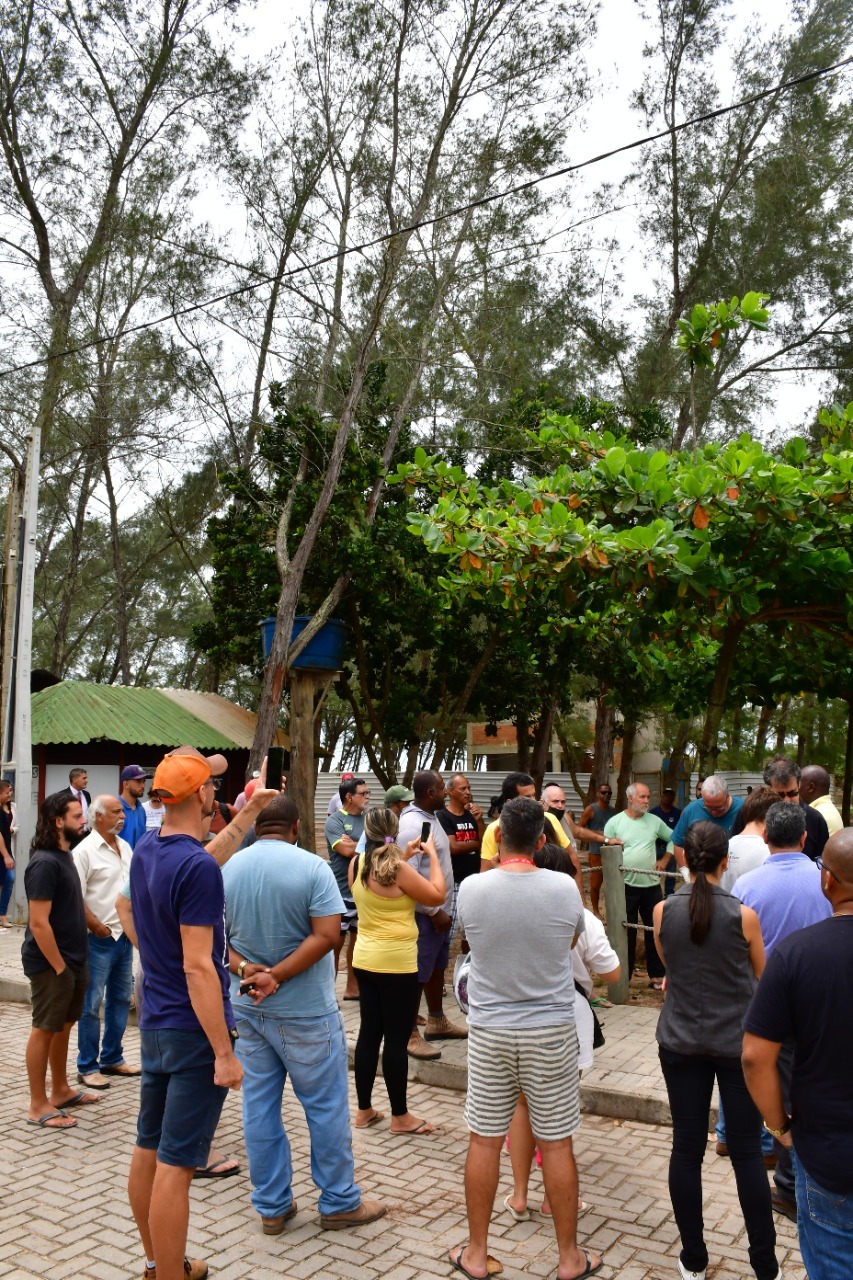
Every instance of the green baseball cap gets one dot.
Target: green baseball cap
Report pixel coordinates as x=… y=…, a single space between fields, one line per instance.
x=398 y=794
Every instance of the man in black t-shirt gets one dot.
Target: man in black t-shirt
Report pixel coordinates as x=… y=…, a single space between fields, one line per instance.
x=54 y=954
x=462 y=820
x=805 y=996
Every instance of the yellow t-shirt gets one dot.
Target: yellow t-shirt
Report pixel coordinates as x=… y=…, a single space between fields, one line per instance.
x=489 y=847
x=387 y=938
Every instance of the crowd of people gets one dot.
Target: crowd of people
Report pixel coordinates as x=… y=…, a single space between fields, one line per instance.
x=236 y=988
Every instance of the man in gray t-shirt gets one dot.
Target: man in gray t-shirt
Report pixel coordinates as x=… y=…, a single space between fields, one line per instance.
x=521 y=922
x=343 y=831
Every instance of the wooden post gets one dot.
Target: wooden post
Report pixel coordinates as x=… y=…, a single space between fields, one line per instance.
x=302 y=779
x=614 y=905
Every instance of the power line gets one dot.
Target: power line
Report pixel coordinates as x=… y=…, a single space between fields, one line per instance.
x=783 y=87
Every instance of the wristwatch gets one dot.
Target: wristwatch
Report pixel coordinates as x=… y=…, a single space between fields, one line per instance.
x=779 y=1133
x=240 y=967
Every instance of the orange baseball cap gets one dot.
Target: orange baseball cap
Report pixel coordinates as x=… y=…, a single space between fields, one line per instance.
x=183 y=771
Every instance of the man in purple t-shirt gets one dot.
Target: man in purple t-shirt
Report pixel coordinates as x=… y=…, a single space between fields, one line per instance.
x=186 y=1024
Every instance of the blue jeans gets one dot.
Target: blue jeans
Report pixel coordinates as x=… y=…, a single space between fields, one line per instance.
x=825 y=1228
x=110 y=974
x=313 y=1052
x=766 y=1138
x=7 y=884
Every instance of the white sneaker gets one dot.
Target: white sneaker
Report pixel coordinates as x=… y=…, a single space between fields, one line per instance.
x=692 y=1275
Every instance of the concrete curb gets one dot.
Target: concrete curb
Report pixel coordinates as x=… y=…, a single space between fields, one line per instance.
x=618 y=1104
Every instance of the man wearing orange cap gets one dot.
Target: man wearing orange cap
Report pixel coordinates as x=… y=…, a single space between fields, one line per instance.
x=186 y=1024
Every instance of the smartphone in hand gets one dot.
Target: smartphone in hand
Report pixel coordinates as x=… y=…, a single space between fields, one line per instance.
x=247 y=988
x=426 y=831
x=275 y=765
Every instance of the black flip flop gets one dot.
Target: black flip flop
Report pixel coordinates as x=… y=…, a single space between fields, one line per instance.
x=457 y=1265
x=590 y=1269
x=207 y=1171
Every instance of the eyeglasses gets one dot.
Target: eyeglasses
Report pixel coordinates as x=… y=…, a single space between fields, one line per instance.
x=788 y=795
x=821 y=866
x=605 y=791
x=362 y=793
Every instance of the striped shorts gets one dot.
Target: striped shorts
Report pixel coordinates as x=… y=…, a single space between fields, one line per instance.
x=541 y=1063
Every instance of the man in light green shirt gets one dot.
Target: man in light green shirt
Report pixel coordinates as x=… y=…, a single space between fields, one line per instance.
x=638 y=830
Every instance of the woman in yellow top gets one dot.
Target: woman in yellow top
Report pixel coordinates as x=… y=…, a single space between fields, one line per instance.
x=385 y=961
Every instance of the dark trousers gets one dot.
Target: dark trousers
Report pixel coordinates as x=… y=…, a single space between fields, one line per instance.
x=387 y=1002
x=689 y=1084
x=642 y=902
x=783 y=1174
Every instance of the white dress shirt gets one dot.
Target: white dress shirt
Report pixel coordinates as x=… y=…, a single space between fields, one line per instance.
x=102 y=873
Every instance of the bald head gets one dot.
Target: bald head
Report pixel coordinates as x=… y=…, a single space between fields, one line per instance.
x=837 y=856
x=814 y=783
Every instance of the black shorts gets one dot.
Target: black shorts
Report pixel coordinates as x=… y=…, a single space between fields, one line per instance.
x=58 y=998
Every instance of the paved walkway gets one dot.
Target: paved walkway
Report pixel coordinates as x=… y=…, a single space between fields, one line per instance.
x=65 y=1213
x=625 y=1083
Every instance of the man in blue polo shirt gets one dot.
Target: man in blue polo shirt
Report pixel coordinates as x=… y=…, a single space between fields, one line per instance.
x=785 y=894
x=714 y=805
x=186 y=1024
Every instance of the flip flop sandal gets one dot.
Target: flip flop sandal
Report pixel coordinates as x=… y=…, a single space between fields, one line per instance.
x=209 y=1171
x=493 y=1267
x=590 y=1270
x=81 y=1099
x=42 y=1122
x=420 y=1131
x=520 y=1216
x=368 y=1124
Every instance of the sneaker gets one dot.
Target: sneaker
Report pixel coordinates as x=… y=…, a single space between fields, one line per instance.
x=721 y=1149
x=274 y=1226
x=418 y=1048
x=443 y=1029
x=193 y=1270
x=689 y=1275
x=367 y=1211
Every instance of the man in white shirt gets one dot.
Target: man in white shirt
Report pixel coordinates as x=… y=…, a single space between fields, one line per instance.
x=102 y=861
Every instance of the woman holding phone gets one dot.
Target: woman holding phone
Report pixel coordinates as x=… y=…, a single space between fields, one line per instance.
x=385 y=961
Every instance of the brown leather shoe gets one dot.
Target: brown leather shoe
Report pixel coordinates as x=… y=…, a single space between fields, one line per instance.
x=443 y=1029
x=275 y=1226
x=194 y=1269
x=367 y=1211
x=770 y=1161
x=721 y=1149
x=418 y=1048
x=121 y=1069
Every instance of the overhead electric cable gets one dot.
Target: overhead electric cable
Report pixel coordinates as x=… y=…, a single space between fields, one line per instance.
x=783 y=87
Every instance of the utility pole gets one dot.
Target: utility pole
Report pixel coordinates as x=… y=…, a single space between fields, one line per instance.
x=17 y=731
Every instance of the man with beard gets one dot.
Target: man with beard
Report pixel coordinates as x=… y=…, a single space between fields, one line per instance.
x=54 y=955
x=186 y=1025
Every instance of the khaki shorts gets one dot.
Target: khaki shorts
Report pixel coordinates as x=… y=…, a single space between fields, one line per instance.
x=58 y=998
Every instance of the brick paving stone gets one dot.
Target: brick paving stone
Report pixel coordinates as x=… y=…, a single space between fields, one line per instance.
x=69 y=1217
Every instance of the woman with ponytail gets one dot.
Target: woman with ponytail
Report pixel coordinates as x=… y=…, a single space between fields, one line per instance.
x=385 y=961
x=711 y=945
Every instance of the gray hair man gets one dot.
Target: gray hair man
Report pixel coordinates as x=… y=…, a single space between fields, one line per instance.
x=715 y=804
x=639 y=831
x=102 y=861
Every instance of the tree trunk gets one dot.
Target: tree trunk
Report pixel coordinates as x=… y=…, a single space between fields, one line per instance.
x=848 y=766
x=677 y=755
x=782 y=726
x=708 y=746
x=522 y=738
x=602 y=760
x=626 y=767
x=766 y=715
x=123 y=647
x=542 y=741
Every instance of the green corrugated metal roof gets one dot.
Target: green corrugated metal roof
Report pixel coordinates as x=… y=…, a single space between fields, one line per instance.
x=76 y=712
